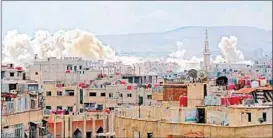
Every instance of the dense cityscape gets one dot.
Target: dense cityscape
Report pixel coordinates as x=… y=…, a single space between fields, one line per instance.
x=170 y=69
x=72 y=97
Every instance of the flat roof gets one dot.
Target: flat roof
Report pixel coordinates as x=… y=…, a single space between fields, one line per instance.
x=19 y=82
x=250 y=107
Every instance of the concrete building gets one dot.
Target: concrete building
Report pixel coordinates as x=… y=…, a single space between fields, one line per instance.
x=90 y=124
x=68 y=69
x=10 y=72
x=181 y=122
x=22 y=104
x=86 y=99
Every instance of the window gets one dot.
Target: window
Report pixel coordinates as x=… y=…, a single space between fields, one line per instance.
x=92 y=94
x=149 y=135
x=48 y=107
x=2 y=74
x=82 y=72
x=81 y=96
x=100 y=107
x=33 y=87
x=249 y=117
x=59 y=108
x=36 y=73
x=59 y=93
x=120 y=95
x=149 y=96
x=70 y=108
x=264 y=116
x=11 y=74
x=111 y=95
x=102 y=94
x=80 y=67
x=48 y=93
x=75 y=68
x=129 y=95
x=18 y=130
x=136 y=134
x=69 y=92
x=69 y=67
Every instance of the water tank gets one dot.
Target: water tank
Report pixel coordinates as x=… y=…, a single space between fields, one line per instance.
x=271 y=82
x=129 y=87
x=183 y=101
x=242 y=82
x=254 y=84
x=248 y=82
x=224 y=101
x=234 y=100
x=263 y=82
x=231 y=86
x=234 y=81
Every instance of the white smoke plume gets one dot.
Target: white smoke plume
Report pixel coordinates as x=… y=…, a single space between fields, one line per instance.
x=229 y=50
x=19 y=48
x=179 y=53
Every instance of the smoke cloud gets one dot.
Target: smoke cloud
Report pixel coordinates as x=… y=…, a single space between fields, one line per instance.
x=19 y=48
x=229 y=50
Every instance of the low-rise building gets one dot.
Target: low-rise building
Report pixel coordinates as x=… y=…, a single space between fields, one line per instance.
x=22 y=105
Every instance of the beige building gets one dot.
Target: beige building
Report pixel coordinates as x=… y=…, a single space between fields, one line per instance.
x=21 y=104
x=69 y=69
x=78 y=99
x=89 y=124
x=22 y=114
x=171 y=122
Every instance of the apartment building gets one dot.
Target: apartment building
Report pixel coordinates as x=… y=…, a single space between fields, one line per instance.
x=236 y=121
x=151 y=78
x=75 y=101
x=96 y=96
x=69 y=69
x=259 y=67
x=154 y=66
x=89 y=124
x=194 y=115
x=22 y=103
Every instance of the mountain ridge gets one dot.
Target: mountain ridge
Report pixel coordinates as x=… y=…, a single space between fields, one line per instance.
x=249 y=39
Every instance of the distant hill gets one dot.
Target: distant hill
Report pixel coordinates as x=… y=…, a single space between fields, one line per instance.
x=249 y=39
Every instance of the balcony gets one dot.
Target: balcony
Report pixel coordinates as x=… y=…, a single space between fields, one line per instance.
x=22 y=117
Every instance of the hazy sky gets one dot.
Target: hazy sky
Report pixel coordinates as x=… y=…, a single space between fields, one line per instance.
x=132 y=17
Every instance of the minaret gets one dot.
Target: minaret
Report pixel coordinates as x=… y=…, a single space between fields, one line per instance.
x=206 y=53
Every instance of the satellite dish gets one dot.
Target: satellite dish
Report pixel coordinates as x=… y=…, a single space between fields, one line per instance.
x=201 y=74
x=193 y=74
x=261 y=120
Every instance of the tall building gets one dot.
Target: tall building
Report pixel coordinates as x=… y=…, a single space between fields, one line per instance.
x=206 y=53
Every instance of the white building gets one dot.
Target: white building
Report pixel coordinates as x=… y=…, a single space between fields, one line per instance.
x=67 y=69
